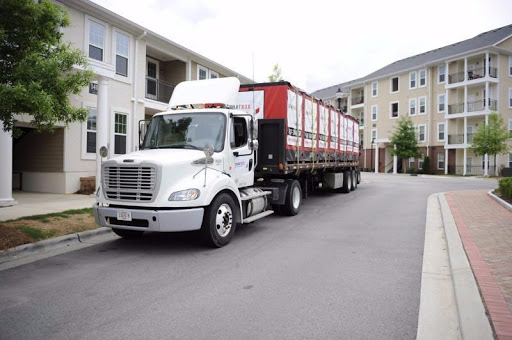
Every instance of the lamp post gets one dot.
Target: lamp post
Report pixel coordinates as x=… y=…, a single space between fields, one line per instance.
x=339 y=94
x=371 y=163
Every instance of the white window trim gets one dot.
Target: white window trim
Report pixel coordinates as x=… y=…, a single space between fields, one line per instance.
x=424 y=133
x=391 y=84
x=510 y=66
x=112 y=129
x=421 y=160
x=444 y=131
x=210 y=73
x=376 y=113
x=439 y=74
x=201 y=68
x=371 y=135
x=444 y=161
x=439 y=102
x=510 y=97
x=391 y=110
x=419 y=105
x=415 y=107
x=129 y=77
x=106 y=41
x=84 y=154
x=419 y=78
x=376 y=89
x=509 y=159
x=415 y=80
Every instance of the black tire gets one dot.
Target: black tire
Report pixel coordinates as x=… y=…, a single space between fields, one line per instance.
x=358 y=176
x=219 y=221
x=345 y=189
x=128 y=234
x=293 y=200
x=353 y=174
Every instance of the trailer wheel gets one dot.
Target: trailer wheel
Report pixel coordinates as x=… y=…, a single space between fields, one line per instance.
x=354 y=180
x=219 y=221
x=345 y=189
x=358 y=172
x=128 y=234
x=293 y=199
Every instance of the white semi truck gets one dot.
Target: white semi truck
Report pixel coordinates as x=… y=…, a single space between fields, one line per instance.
x=201 y=167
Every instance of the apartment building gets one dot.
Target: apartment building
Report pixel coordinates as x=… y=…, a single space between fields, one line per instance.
x=448 y=93
x=135 y=72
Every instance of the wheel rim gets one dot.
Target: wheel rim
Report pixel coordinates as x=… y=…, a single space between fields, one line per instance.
x=296 y=198
x=224 y=220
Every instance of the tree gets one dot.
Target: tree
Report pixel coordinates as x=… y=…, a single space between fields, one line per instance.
x=37 y=70
x=404 y=139
x=276 y=74
x=491 y=138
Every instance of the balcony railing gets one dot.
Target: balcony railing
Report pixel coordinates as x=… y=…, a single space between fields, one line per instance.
x=459 y=138
x=357 y=100
x=472 y=74
x=470 y=169
x=158 y=90
x=475 y=106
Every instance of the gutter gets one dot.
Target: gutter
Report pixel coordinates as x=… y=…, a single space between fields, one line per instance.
x=135 y=101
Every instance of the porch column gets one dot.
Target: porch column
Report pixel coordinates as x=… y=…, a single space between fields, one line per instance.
x=445 y=161
x=101 y=125
x=464 y=162
x=6 y=199
x=487 y=97
x=189 y=70
x=395 y=161
x=376 y=158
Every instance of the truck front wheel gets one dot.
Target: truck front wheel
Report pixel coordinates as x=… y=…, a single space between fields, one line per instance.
x=293 y=198
x=219 y=221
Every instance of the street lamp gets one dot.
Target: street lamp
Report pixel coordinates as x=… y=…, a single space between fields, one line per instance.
x=339 y=95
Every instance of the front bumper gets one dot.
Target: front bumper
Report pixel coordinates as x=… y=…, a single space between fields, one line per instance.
x=151 y=220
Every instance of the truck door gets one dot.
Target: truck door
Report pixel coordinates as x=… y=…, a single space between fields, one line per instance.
x=241 y=157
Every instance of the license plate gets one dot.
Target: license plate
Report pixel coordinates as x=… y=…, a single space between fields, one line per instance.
x=124 y=215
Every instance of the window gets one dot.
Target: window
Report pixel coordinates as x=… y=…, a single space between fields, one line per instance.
x=361 y=119
x=122 y=50
x=441 y=72
x=120 y=134
x=510 y=127
x=510 y=97
x=423 y=105
x=375 y=89
x=510 y=160
x=510 y=66
x=440 y=161
x=91 y=131
x=440 y=132
x=420 y=161
x=412 y=106
x=394 y=84
x=152 y=79
x=96 y=40
x=374 y=135
x=411 y=162
x=238 y=134
x=422 y=133
x=213 y=75
x=394 y=110
x=202 y=72
x=375 y=112
x=412 y=80
x=440 y=103
x=423 y=78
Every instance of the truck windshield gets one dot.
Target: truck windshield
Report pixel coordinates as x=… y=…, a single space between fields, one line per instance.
x=186 y=131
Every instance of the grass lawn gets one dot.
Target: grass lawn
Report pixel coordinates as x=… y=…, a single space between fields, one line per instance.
x=40 y=227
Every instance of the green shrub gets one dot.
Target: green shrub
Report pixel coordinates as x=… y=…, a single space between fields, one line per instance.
x=505 y=187
x=426 y=165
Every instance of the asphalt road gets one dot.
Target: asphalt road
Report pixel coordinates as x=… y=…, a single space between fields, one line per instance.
x=347 y=267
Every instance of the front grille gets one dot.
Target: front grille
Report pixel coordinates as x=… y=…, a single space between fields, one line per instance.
x=130 y=183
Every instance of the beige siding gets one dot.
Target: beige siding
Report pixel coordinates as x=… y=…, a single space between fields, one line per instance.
x=507 y=44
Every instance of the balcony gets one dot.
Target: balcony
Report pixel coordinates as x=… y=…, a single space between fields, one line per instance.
x=473 y=74
x=158 y=90
x=475 y=106
x=357 y=100
x=459 y=139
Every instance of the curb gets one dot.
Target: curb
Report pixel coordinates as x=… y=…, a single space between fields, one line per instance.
x=504 y=203
x=473 y=321
x=51 y=244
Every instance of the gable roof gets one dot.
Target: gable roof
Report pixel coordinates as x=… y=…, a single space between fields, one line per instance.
x=483 y=40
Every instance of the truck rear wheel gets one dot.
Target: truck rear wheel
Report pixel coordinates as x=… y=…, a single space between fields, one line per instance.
x=219 y=221
x=128 y=234
x=345 y=189
x=353 y=177
x=293 y=198
x=358 y=176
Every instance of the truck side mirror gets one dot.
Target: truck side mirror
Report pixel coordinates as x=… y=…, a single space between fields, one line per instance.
x=143 y=128
x=254 y=145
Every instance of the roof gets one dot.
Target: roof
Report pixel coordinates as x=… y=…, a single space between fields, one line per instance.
x=483 y=40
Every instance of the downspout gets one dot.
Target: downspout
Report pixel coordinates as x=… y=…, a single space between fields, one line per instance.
x=431 y=96
x=135 y=128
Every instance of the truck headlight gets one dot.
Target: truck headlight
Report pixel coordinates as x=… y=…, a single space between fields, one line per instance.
x=185 y=195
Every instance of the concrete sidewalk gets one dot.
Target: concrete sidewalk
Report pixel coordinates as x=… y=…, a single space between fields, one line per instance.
x=33 y=203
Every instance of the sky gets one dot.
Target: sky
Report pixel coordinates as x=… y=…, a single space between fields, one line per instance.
x=316 y=43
